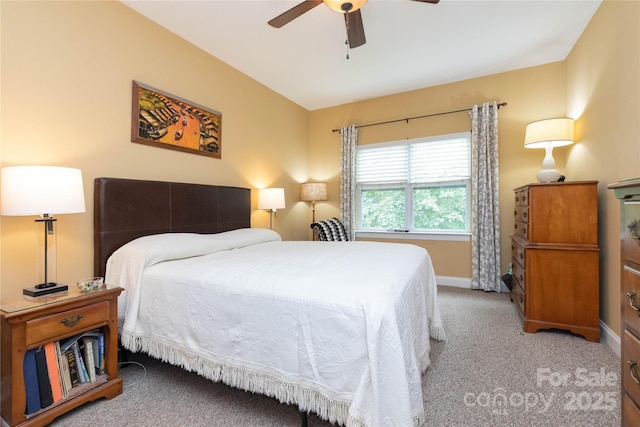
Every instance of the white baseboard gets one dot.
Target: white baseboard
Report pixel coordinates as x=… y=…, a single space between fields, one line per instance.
x=456 y=282
x=608 y=337
x=460 y=282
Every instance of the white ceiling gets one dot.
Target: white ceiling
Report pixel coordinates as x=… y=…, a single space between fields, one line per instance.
x=410 y=45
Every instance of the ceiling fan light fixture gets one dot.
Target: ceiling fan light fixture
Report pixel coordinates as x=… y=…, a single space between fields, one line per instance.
x=341 y=6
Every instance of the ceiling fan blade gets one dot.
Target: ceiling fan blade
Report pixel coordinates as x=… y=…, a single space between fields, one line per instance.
x=428 y=1
x=355 y=29
x=293 y=13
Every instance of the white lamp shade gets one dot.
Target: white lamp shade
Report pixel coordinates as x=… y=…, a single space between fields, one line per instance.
x=271 y=198
x=550 y=132
x=313 y=191
x=39 y=190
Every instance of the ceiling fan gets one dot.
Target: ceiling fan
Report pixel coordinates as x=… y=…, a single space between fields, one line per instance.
x=350 y=10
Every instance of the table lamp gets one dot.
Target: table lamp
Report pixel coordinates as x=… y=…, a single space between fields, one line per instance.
x=547 y=134
x=43 y=191
x=271 y=199
x=313 y=192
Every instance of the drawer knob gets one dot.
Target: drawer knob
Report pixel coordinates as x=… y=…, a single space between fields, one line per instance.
x=632 y=369
x=71 y=320
x=632 y=301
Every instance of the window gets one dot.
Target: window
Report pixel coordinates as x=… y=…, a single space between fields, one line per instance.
x=418 y=185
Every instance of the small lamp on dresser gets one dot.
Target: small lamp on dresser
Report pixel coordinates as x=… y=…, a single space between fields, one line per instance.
x=271 y=199
x=43 y=191
x=548 y=134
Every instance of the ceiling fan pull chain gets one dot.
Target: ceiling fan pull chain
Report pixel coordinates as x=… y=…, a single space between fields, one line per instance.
x=346 y=42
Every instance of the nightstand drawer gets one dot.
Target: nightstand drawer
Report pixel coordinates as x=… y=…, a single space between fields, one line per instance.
x=49 y=328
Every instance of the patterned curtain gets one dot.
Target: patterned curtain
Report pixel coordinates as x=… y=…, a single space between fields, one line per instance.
x=349 y=142
x=485 y=220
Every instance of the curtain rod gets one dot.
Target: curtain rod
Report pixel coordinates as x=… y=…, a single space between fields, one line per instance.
x=502 y=104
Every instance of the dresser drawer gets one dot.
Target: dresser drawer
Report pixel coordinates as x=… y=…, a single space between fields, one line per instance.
x=631 y=298
x=518 y=296
x=521 y=214
x=517 y=253
x=630 y=413
x=521 y=230
x=631 y=242
x=631 y=366
x=49 y=328
x=519 y=274
x=522 y=197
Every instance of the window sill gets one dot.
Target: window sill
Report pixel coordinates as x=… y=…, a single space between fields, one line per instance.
x=460 y=237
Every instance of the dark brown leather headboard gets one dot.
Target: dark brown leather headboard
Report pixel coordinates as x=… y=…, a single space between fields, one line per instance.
x=125 y=209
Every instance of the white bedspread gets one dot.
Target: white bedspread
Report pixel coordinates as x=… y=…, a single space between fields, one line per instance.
x=338 y=328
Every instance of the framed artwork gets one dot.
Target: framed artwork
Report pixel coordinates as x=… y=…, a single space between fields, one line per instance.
x=163 y=120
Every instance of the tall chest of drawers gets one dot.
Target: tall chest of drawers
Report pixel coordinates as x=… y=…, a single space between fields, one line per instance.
x=629 y=194
x=555 y=257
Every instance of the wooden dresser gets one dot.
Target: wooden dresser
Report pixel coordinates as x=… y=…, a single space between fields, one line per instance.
x=555 y=257
x=629 y=194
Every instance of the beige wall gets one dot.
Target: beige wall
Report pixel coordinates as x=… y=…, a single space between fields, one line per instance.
x=603 y=92
x=66 y=83
x=531 y=94
x=67 y=71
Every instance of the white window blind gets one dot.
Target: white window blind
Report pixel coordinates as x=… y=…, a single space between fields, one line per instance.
x=421 y=161
x=388 y=164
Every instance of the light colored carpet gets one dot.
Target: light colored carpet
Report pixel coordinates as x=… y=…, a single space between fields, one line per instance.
x=487 y=373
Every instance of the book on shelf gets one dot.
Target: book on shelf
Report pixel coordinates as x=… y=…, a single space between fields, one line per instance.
x=73 y=367
x=82 y=370
x=101 y=354
x=89 y=361
x=44 y=383
x=68 y=342
x=98 y=353
x=53 y=368
x=31 y=382
x=65 y=375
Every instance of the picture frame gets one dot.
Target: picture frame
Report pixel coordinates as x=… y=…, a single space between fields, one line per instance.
x=160 y=119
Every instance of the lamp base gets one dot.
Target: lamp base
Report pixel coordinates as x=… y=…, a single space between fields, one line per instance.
x=549 y=175
x=38 y=292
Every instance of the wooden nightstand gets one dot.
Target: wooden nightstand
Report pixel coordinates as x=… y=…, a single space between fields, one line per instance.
x=32 y=322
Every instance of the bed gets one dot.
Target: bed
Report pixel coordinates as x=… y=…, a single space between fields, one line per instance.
x=341 y=329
